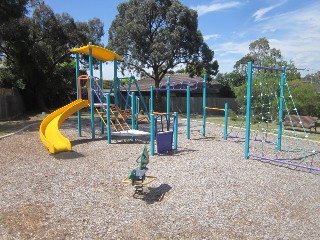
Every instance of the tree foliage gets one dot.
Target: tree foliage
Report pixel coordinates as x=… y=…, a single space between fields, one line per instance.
x=205 y=64
x=305 y=98
x=37 y=58
x=261 y=54
x=155 y=35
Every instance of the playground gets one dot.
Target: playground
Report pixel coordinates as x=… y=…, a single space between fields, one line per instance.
x=205 y=190
x=90 y=170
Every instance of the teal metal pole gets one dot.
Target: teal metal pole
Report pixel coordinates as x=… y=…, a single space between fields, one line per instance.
x=168 y=94
x=175 y=131
x=115 y=82
x=204 y=104
x=248 y=114
x=108 y=118
x=78 y=92
x=188 y=112
x=101 y=97
x=133 y=113
x=137 y=112
x=225 y=134
x=151 y=134
x=280 y=120
x=91 y=94
x=151 y=100
x=141 y=97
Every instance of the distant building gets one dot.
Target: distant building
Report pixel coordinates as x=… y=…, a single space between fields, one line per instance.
x=178 y=85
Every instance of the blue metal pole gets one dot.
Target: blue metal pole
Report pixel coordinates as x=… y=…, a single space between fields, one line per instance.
x=133 y=113
x=137 y=112
x=225 y=121
x=280 y=120
x=188 y=112
x=248 y=114
x=108 y=118
x=115 y=83
x=101 y=96
x=151 y=134
x=151 y=100
x=78 y=90
x=91 y=93
x=168 y=94
x=175 y=131
x=204 y=104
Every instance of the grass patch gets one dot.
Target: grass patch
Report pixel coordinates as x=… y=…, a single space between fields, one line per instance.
x=7 y=127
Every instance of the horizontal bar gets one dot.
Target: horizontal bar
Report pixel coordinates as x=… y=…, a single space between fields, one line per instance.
x=285 y=162
x=267 y=68
x=218 y=109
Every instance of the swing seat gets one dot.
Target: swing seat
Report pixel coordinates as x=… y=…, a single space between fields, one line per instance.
x=164 y=141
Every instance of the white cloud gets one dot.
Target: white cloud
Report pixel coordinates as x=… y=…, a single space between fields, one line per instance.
x=227 y=48
x=258 y=15
x=211 y=36
x=261 y=12
x=203 y=9
x=297 y=35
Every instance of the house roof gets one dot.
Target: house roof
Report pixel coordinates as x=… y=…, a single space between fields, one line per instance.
x=177 y=81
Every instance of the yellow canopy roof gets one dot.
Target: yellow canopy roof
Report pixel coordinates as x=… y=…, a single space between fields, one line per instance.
x=98 y=52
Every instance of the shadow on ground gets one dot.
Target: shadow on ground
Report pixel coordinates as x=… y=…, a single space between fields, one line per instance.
x=156 y=194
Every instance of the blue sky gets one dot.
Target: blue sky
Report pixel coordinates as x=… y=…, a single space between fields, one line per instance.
x=229 y=26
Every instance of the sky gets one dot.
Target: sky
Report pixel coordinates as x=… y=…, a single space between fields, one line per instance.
x=229 y=26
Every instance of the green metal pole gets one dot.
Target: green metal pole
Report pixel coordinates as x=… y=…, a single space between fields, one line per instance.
x=115 y=83
x=188 y=112
x=151 y=134
x=133 y=113
x=175 y=131
x=225 y=121
x=108 y=118
x=248 y=114
x=204 y=104
x=91 y=93
x=151 y=100
x=137 y=112
x=78 y=90
x=281 y=99
x=101 y=96
x=168 y=94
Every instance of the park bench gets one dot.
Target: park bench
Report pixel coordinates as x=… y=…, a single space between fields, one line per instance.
x=306 y=121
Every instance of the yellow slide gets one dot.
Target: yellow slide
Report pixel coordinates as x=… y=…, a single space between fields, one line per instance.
x=49 y=128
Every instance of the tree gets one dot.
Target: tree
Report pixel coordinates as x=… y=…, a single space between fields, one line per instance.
x=12 y=9
x=37 y=56
x=305 y=98
x=261 y=54
x=154 y=36
x=205 y=64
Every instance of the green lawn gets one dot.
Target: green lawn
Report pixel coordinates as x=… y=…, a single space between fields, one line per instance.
x=272 y=127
